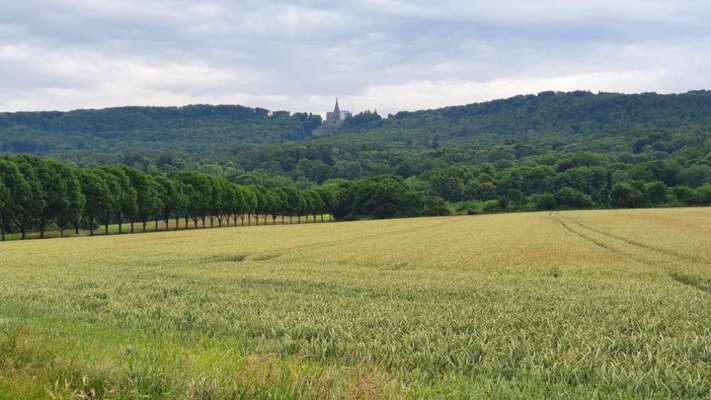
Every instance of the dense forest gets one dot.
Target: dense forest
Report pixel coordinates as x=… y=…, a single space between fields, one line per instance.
x=241 y=138
x=186 y=130
x=536 y=152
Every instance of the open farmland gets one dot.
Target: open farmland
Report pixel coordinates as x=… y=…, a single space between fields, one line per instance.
x=593 y=304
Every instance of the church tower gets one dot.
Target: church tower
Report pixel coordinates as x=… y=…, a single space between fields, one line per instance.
x=334 y=120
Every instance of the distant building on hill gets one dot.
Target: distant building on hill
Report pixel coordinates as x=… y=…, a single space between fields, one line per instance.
x=334 y=120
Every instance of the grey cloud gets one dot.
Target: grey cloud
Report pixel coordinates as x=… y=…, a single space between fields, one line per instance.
x=298 y=55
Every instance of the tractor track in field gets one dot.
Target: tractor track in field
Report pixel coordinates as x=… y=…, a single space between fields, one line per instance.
x=693 y=281
x=602 y=244
x=660 y=250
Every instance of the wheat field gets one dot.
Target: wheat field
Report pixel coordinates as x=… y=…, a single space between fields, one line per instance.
x=592 y=304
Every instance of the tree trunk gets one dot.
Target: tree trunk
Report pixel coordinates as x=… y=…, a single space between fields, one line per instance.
x=132 y=226
x=42 y=227
x=106 y=229
x=23 y=235
x=156 y=225
x=321 y=218
x=256 y=218
x=61 y=231
x=120 y=223
x=144 y=225
x=282 y=219
x=291 y=219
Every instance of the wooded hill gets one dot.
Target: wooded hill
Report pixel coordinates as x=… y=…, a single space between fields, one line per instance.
x=218 y=133
x=545 y=151
x=187 y=129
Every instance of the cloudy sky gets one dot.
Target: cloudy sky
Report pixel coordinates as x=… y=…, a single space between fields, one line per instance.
x=387 y=55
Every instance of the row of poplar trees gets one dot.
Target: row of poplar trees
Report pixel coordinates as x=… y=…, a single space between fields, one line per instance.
x=38 y=194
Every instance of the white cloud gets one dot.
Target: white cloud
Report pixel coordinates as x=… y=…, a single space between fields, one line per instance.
x=432 y=94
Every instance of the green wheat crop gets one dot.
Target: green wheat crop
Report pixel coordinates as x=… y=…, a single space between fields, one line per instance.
x=595 y=304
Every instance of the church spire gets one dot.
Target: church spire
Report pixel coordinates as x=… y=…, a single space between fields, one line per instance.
x=337 y=108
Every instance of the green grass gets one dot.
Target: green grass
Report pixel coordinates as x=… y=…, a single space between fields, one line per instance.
x=595 y=304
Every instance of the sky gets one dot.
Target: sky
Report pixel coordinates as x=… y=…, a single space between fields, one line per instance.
x=385 y=55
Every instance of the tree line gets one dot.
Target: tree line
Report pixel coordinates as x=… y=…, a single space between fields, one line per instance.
x=579 y=182
x=40 y=194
